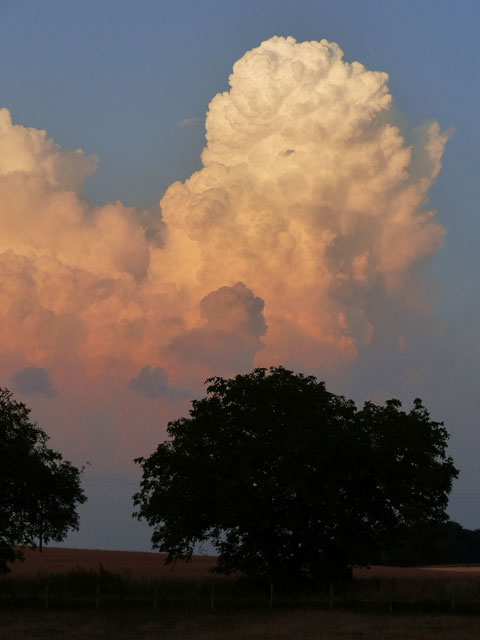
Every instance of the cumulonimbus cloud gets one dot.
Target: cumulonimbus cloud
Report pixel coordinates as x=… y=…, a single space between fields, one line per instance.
x=311 y=200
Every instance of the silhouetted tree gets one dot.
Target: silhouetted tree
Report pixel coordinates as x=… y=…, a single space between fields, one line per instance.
x=289 y=481
x=39 y=490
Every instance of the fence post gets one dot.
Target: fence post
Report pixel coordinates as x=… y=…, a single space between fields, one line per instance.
x=271 y=595
x=330 y=604
x=390 y=597
x=452 y=602
x=46 y=596
x=97 y=599
x=212 y=597
x=155 y=598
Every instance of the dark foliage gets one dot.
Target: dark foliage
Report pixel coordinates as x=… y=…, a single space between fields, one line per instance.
x=430 y=544
x=289 y=481
x=39 y=490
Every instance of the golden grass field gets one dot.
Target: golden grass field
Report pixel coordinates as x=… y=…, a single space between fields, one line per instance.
x=143 y=565
x=302 y=621
x=140 y=565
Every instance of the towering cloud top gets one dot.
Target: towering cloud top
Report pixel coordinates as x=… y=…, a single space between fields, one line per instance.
x=309 y=194
x=287 y=95
x=307 y=218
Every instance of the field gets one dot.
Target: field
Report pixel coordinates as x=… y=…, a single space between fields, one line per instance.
x=296 y=625
x=147 y=565
x=140 y=565
x=68 y=593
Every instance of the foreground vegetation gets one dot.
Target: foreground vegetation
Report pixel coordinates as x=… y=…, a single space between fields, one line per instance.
x=299 y=624
x=49 y=596
x=105 y=591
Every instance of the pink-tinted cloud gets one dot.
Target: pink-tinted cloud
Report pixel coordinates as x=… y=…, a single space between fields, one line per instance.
x=308 y=217
x=230 y=337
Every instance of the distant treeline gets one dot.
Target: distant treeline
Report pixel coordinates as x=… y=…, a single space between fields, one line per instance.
x=446 y=543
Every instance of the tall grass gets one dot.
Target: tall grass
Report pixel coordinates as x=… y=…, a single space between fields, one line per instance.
x=105 y=590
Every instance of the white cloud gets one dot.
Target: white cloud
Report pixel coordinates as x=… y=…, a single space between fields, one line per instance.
x=307 y=219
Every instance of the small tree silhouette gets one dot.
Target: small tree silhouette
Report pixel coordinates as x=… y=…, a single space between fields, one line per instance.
x=39 y=490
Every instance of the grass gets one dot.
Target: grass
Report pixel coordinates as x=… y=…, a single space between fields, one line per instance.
x=93 y=594
x=272 y=625
x=95 y=590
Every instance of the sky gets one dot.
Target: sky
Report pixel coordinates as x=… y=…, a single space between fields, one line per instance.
x=192 y=189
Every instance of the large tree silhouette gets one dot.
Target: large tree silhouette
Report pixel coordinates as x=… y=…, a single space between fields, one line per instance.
x=289 y=481
x=39 y=490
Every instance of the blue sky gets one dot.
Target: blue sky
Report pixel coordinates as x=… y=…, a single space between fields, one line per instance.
x=115 y=78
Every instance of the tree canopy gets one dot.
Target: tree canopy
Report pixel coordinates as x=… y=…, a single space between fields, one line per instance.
x=289 y=481
x=39 y=490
